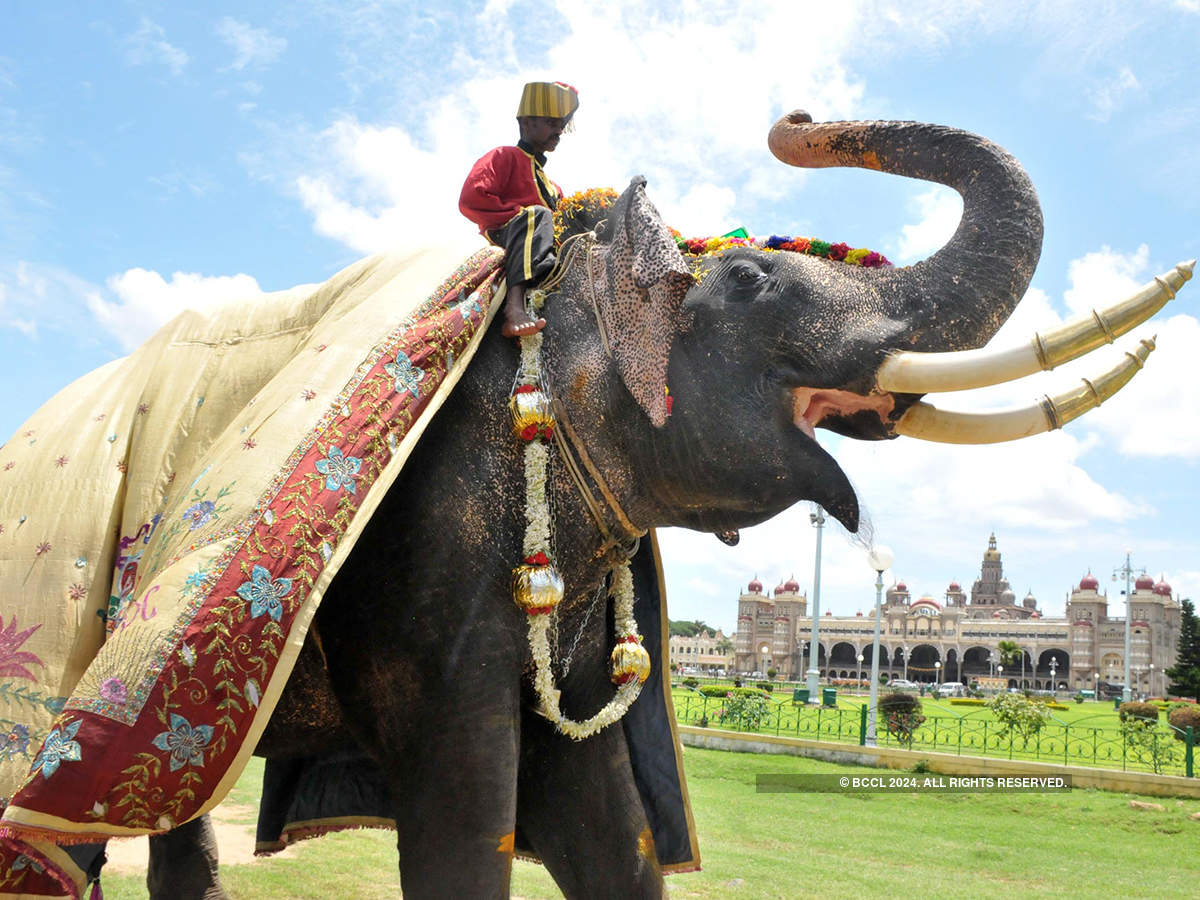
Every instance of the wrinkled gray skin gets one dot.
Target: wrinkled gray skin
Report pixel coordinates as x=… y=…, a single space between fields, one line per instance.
x=426 y=664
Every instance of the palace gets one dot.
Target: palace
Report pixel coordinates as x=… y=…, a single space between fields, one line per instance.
x=958 y=638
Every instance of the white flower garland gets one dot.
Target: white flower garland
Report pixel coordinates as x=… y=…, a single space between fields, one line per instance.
x=630 y=660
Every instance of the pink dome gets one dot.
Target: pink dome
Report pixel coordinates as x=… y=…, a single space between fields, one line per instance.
x=828 y=613
x=954 y=588
x=755 y=586
x=996 y=614
x=1144 y=583
x=901 y=586
x=1089 y=583
x=792 y=585
x=1162 y=588
x=858 y=614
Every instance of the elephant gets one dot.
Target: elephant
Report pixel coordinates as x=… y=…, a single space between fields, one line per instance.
x=754 y=349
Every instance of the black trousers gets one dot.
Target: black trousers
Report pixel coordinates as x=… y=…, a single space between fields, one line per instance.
x=528 y=242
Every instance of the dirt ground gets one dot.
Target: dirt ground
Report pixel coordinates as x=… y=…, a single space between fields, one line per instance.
x=235 y=843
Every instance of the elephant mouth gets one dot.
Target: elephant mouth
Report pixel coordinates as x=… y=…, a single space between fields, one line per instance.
x=810 y=406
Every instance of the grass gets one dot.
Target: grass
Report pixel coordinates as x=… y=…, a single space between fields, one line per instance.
x=1083 y=844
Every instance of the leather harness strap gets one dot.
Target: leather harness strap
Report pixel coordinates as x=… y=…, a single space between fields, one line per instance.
x=569 y=445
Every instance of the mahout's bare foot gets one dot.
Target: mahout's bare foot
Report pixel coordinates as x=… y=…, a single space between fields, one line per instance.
x=522 y=327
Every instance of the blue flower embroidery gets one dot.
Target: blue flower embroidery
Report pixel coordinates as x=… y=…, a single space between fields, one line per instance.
x=198 y=513
x=408 y=377
x=185 y=743
x=339 y=470
x=264 y=593
x=58 y=748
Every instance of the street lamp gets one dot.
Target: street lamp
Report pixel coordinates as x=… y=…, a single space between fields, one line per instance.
x=1126 y=570
x=1096 y=692
x=880 y=559
x=1151 y=679
x=858 y=687
x=937 y=673
x=817 y=518
x=1053 y=668
x=1000 y=669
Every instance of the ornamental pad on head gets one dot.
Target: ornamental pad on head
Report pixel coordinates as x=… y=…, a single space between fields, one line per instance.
x=552 y=99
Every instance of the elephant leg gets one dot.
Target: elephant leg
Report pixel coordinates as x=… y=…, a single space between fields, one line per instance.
x=579 y=808
x=448 y=749
x=183 y=863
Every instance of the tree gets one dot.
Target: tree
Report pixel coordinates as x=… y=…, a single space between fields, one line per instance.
x=1185 y=674
x=724 y=646
x=685 y=628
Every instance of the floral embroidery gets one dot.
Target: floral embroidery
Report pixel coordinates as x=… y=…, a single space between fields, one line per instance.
x=122 y=466
x=143 y=408
x=308 y=393
x=29 y=862
x=198 y=514
x=265 y=594
x=113 y=690
x=42 y=548
x=100 y=418
x=77 y=591
x=408 y=377
x=339 y=470
x=61 y=461
x=58 y=748
x=185 y=743
x=13 y=659
x=15 y=742
x=249 y=444
x=8 y=465
x=188 y=654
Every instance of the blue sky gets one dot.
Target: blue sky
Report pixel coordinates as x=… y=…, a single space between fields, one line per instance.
x=157 y=155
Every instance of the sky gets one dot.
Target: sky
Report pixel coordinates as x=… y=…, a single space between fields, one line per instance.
x=156 y=156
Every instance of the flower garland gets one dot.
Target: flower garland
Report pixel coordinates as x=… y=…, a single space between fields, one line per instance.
x=840 y=252
x=537 y=584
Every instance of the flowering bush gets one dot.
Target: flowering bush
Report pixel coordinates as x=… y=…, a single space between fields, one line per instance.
x=1020 y=714
x=1183 y=715
x=902 y=714
x=746 y=709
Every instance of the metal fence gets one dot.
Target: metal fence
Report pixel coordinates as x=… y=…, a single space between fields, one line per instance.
x=1140 y=747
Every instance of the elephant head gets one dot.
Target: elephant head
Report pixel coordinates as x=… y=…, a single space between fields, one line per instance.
x=757 y=348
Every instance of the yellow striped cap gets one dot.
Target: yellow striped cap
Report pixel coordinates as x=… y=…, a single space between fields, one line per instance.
x=553 y=99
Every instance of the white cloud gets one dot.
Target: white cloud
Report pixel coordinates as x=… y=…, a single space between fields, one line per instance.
x=149 y=45
x=1105 y=276
x=1111 y=94
x=940 y=209
x=251 y=46
x=145 y=300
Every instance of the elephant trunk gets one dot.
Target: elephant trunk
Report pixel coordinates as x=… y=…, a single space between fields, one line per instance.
x=960 y=296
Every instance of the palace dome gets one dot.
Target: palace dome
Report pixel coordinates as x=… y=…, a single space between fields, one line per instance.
x=1089 y=582
x=792 y=585
x=901 y=586
x=755 y=586
x=954 y=588
x=1144 y=583
x=1162 y=588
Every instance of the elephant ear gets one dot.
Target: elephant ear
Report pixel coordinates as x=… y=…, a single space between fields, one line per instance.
x=644 y=279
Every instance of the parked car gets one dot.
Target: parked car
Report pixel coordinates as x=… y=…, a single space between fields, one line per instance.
x=903 y=684
x=951 y=689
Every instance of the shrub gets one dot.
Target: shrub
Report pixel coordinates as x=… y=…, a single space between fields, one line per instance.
x=1079 y=698
x=765 y=686
x=716 y=690
x=746 y=708
x=902 y=713
x=771 y=673
x=967 y=701
x=691 y=681
x=1134 y=710
x=1019 y=714
x=737 y=682
x=1182 y=716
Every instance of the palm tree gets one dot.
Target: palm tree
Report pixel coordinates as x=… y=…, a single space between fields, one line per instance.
x=1009 y=651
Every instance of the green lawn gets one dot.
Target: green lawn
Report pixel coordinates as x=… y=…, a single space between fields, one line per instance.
x=1083 y=844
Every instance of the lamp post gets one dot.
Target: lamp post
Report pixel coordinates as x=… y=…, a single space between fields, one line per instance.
x=1053 y=669
x=1096 y=692
x=880 y=559
x=859 y=685
x=1000 y=669
x=937 y=673
x=817 y=518
x=1126 y=570
x=1151 y=679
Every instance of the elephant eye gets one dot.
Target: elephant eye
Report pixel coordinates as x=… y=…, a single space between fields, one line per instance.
x=746 y=274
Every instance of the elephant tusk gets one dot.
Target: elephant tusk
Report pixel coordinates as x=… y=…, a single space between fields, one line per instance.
x=922 y=373
x=928 y=423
